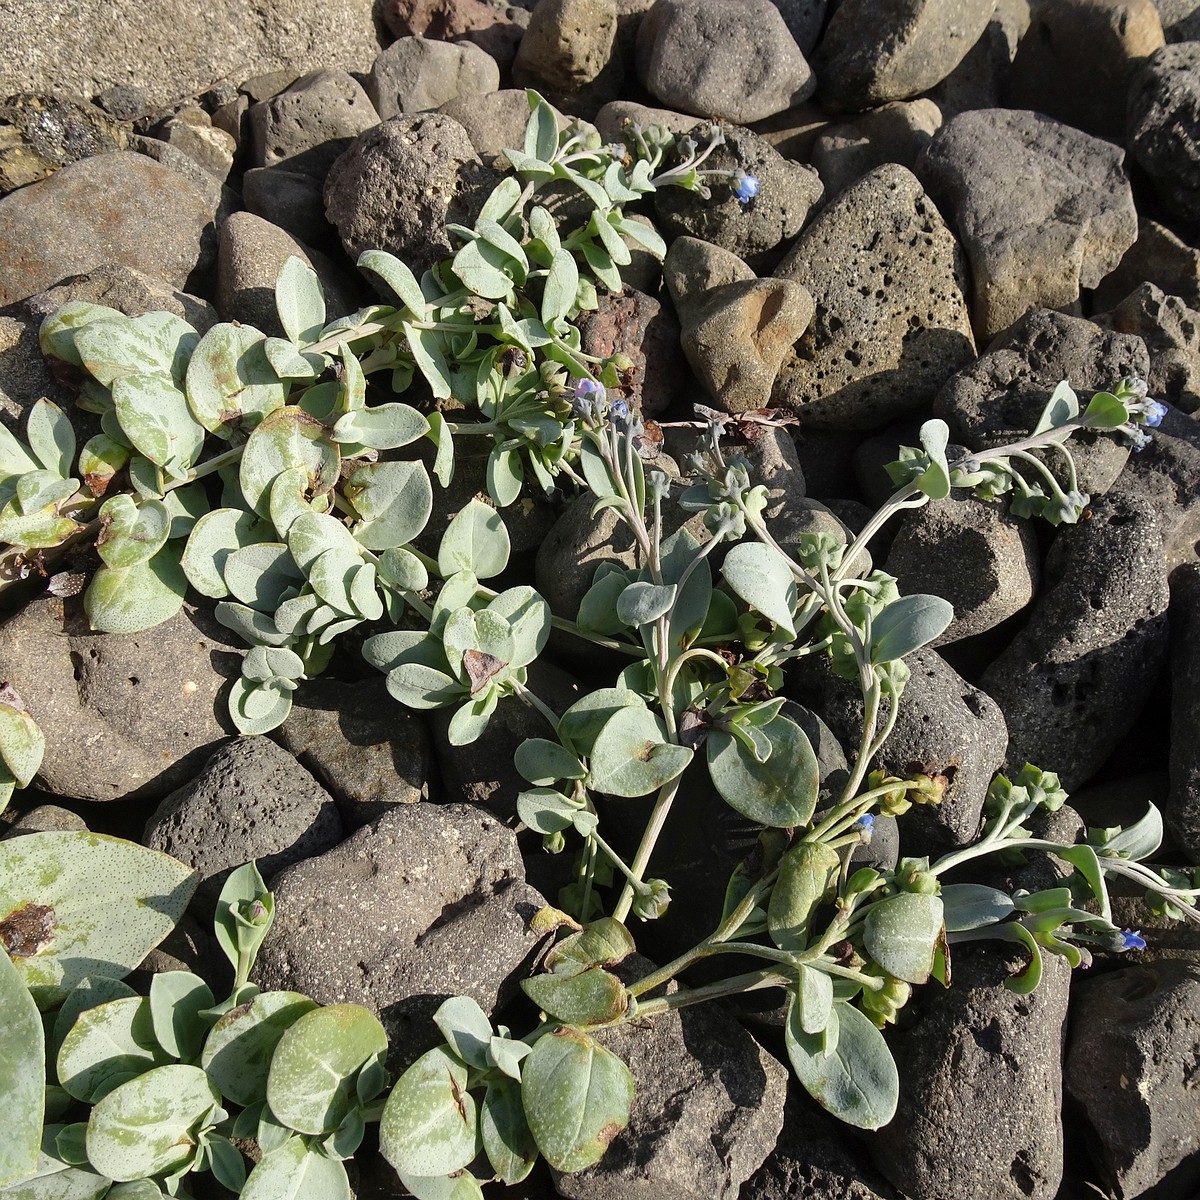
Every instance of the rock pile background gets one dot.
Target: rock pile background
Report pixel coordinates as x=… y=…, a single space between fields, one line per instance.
x=962 y=202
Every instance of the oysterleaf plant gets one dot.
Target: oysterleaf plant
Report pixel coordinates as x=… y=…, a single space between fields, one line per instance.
x=265 y=473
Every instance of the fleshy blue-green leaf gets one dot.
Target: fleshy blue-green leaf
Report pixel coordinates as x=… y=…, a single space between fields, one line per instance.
x=177 y=998
x=285 y=439
x=231 y=385
x=907 y=624
x=51 y=437
x=593 y=997
x=430 y=1124
x=972 y=905
x=131 y=533
x=107 y=1046
x=22 y=744
x=300 y=301
x=476 y=540
x=154 y=415
x=901 y=934
x=633 y=756
x=506 y=1135
x=858 y=1082
x=395 y=500
x=781 y=792
x=145 y=1126
x=760 y=576
x=293 y=1172
x=87 y=905
x=397 y=276
x=577 y=1097
x=311 y=1083
x=806 y=875
x=213 y=538
x=22 y=1075
x=130 y=599
x=384 y=427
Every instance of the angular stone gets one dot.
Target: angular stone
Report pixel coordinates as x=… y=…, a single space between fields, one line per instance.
x=290 y=199
x=980 y=79
x=1159 y=257
x=1043 y=210
x=716 y=58
x=495 y=122
x=980 y=1086
x=999 y=398
x=787 y=193
x=369 y=751
x=1131 y=1067
x=496 y=28
x=694 y=267
x=804 y=20
x=1171 y=331
x=873 y=53
x=250 y=800
x=708 y=1109
x=311 y=123
x=1075 y=61
x=1074 y=680
x=1164 y=103
x=125 y=715
x=400 y=183
x=210 y=148
x=414 y=74
x=891 y=322
x=945 y=727
x=430 y=901
x=970 y=552
x=118 y=207
x=893 y=133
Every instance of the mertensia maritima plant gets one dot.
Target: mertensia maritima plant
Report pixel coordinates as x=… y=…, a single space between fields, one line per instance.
x=255 y=470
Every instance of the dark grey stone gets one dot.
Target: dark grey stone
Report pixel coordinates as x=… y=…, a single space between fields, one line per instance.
x=998 y=399
x=1043 y=210
x=945 y=728
x=47 y=818
x=125 y=715
x=250 y=800
x=874 y=53
x=787 y=193
x=708 y=1110
x=979 y=80
x=1074 y=680
x=39 y=134
x=1164 y=111
x=369 y=751
x=980 y=1086
x=804 y=20
x=970 y=552
x=1131 y=1067
x=1181 y=809
x=1159 y=257
x=401 y=182
x=430 y=901
x=733 y=59
x=290 y=199
x=891 y=323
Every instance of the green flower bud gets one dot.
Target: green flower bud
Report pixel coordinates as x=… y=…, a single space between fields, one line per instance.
x=883 y=1005
x=554 y=843
x=651 y=904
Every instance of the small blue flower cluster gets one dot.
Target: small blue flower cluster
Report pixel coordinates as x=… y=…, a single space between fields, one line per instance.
x=1131 y=939
x=745 y=187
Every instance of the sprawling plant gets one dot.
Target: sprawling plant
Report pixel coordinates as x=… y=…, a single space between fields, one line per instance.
x=314 y=533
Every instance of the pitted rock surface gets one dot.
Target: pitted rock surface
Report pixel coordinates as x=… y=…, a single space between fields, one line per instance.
x=1181 y=809
x=970 y=552
x=891 y=321
x=787 y=193
x=1131 y=1066
x=872 y=53
x=125 y=715
x=251 y=800
x=894 y=133
x=999 y=398
x=568 y=43
x=1043 y=210
x=977 y=1048
x=119 y=207
x=400 y=183
x=732 y=59
x=307 y=126
x=1074 y=680
x=430 y=901
x=1164 y=110
x=39 y=134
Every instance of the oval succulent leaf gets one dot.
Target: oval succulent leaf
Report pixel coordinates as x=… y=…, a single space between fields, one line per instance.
x=287 y=438
x=311 y=1084
x=384 y=427
x=781 y=792
x=22 y=1075
x=901 y=934
x=51 y=437
x=633 y=756
x=430 y=1123
x=131 y=533
x=806 y=875
x=78 y=904
x=107 y=1046
x=760 y=576
x=299 y=301
x=577 y=1097
x=506 y=1135
x=593 y=997
x=292 y=1171
x=231 y=386
x=476 y=540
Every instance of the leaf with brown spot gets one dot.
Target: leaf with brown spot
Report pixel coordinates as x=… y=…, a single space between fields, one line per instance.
x=27 y=930
x=481 y=667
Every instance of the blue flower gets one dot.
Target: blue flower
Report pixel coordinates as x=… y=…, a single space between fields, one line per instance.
x=588 y=388
x=1140 y=440
x=618 y=410
x=1131 y=939
x=745 y=187
x=865 y=826
x=1155 y=413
